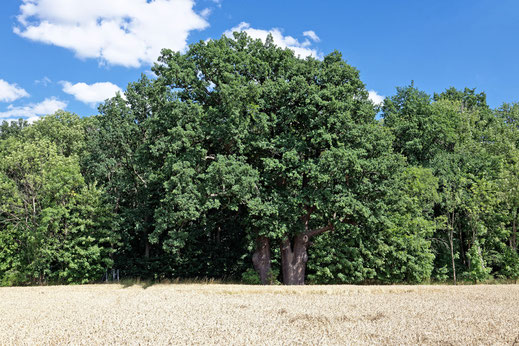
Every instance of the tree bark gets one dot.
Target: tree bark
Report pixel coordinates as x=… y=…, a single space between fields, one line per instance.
x=147 y=249
x=294 y=255
x=451 y=243
x=293 y=260
x=513 y=239
x=462 y=250
x=261 y=260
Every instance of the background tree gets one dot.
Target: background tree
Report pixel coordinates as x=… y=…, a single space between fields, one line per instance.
x=53 y=226
x=459 y=138
x=12 y=128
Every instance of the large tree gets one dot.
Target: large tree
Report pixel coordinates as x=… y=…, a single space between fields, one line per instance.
x=289 y=146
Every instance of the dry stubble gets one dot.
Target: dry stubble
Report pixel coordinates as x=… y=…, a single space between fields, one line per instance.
x=232 y=314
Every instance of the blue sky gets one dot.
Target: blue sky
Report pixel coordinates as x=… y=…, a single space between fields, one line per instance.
x=73 y=54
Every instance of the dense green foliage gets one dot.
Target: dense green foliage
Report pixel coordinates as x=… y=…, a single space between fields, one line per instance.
x=239 y=148
x=54 y=226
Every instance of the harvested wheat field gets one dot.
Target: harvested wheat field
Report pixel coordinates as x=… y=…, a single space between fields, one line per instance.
x=233 y=314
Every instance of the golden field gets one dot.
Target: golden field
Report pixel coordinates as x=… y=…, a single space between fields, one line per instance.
x=244 y=315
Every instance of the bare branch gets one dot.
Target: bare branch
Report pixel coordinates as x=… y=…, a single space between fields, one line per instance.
x=138 y=176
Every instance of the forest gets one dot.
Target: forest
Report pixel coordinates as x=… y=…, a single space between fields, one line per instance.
x=241 y=162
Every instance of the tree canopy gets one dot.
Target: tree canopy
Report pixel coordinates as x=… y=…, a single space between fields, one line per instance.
x=239 y=160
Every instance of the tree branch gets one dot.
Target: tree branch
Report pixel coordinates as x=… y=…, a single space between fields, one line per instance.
x=141 y=179
x=318 y=231
x=306 y=217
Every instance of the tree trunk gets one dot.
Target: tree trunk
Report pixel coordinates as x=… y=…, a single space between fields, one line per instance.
x=451 y=243
x=513 y=239
x=462 y=250
x=261 y=260
x=452 y=255
x=294 y=255
x=147 y=249
x=293 y=260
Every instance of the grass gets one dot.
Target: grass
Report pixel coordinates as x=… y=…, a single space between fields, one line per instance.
x=145 y=283
x=139 y=313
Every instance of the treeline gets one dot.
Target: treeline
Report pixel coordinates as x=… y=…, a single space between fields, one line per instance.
x=240 y=161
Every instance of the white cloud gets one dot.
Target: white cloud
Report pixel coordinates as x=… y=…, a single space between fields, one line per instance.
x=44 y=81
x=312 y=35
x=205 y=12
x=302 y=49
x=33 y=112
x=376 y=98
x=11 y=92
x=91 y=93
x=118 y=32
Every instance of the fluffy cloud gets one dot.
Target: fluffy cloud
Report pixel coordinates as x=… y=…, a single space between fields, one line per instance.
x=91 y=93
x=302 y=49
x=205 y=12
x=376 y=98
x=10 y=92
x=312 y=35
x=33 y=112
x=118 y=32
